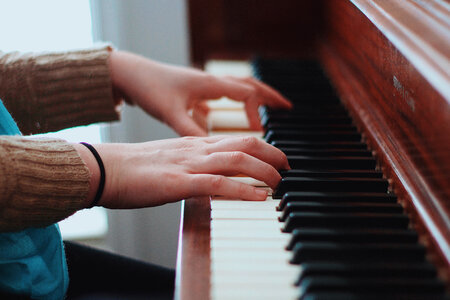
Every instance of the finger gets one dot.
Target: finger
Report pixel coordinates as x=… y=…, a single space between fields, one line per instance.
x=233 y=163
x=184 y=125
x=271 y=96
x=205 y=184
x=251 y=110
x=252 y=146
x=227 y=87
x=199 y=115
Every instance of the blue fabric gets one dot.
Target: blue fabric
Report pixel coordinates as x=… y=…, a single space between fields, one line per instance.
x=32 y=261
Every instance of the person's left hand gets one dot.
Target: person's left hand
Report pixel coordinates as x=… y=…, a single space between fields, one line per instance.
x=170 y=92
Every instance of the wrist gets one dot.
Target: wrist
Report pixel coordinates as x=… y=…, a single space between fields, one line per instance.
x=118 y=62
x=94 y=171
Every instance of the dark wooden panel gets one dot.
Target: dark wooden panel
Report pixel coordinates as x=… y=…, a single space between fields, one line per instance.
x=396 y=91
x=236 y=29
x=193 y=259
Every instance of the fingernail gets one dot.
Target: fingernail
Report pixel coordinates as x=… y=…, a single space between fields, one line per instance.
x=261 y=194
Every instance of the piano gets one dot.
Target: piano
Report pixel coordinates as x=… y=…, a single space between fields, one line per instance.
x=365 y=211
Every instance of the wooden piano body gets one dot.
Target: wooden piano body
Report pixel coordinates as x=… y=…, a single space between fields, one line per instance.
x=390 y=64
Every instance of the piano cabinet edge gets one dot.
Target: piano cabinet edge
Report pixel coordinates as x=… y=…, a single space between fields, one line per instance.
x=426 y=219
x=404 y=136
x=193 y=260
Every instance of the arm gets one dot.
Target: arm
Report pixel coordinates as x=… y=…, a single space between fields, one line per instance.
x=169 y=92
x=43 y=181
x=51 y=91
x=153 y=173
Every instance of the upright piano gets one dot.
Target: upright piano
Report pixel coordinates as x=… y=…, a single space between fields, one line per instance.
x=365 y=211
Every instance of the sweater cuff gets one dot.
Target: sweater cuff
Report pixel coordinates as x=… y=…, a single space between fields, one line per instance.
x=42 y=181
x=62 y=90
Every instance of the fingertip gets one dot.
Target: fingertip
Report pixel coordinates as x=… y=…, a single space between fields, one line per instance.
x=288 y=103
x=256 y=126
x=287 y=166
x=261 y=194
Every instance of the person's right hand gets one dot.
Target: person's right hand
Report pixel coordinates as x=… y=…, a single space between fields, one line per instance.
x=159 y=172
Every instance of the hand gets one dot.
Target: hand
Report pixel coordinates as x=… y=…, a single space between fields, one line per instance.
x=170 y=92
x=159 y=172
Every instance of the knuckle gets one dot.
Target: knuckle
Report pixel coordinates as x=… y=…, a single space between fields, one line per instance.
x=216 y=182
x=236 y=157
x=209 y=79
x=249 y=141
x=242 y=189
x=251 y=89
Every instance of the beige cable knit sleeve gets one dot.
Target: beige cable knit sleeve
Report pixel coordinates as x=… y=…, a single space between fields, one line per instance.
x=43 y=181
x=51 y=91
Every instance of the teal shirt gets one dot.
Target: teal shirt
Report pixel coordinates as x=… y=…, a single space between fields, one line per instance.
x=32 y=261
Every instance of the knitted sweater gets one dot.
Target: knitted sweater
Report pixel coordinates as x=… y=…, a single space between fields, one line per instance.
x=43 y=181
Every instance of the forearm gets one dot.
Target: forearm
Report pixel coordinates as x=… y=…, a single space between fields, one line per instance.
x=51 y=91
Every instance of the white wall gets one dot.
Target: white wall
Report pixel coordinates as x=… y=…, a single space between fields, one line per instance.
x=156 y=29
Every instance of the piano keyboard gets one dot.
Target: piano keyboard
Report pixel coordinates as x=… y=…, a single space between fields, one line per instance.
x=332 y=229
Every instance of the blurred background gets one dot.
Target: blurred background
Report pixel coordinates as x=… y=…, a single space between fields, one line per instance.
x=156 y=29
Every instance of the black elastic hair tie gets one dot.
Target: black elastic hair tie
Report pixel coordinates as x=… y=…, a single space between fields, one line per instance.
x=101 y=184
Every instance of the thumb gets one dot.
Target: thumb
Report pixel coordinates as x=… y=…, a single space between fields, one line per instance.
x=184 y=125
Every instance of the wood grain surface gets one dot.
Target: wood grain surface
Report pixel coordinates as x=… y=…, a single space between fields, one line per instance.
x=193 y=261
x=236 y=29
x=397 y=104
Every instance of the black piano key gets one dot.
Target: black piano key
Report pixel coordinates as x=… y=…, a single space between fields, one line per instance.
x=331 y=162
x=372 y=296
x=329 y=136
x=299 y=114
x=336 y=197
x=357 y=253
x=310 y=127
x=318 y=145
x=307 y=120
x=315 y=96
x=300 y=108
x=325 y=152
x=345 y=220
x=391 y=286
x=367 y=270
x=304 y=85
x=343 y=207
x=332 y=174
x=352 y=236
x=293 y=184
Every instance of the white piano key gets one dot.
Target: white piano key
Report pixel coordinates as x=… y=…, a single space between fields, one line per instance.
x=240 y=214
x=248 y=180
x=249 y=225
x=227 y=119
x=255 y=267
x=244 y=205
x=225 y=103
x=248 y=256
x=255 y=234
x=247 y=244
x=257 y=134
x=238 y=292
x=237 y=68
x=261 y=279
